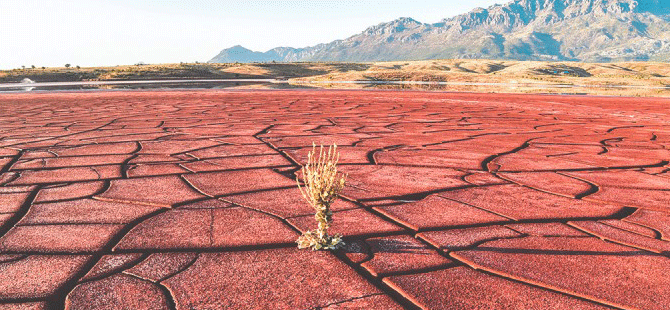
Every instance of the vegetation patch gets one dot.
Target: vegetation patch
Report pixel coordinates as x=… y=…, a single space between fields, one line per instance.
x=323 y=185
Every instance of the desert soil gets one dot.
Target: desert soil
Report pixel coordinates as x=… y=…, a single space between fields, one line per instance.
x=188 y=200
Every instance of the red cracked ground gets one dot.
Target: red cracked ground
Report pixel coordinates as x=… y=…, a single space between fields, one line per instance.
x=188 y=200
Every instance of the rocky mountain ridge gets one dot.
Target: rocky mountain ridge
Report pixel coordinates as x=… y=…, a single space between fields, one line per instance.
x=566 y=30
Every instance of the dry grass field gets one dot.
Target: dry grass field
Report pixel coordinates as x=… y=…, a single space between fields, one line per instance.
x=616 y=79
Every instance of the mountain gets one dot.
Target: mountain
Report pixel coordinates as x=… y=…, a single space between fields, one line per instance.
x=567 y=30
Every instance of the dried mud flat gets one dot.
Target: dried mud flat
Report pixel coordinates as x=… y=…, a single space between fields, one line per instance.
x=188 y=200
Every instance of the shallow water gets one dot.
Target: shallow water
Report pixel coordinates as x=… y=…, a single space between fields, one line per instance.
x=283 y=84
x=126 y=85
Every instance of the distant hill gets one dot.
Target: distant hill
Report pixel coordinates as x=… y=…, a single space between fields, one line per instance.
x=566 y=30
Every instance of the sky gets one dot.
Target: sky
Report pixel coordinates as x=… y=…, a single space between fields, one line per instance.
x=120 y=32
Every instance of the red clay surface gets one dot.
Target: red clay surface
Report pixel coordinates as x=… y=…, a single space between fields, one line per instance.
x=188 y=200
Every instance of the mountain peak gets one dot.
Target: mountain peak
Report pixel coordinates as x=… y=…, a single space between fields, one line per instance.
x=239 y=48
x=394 y=26
x=407 y=20
x=579 y=30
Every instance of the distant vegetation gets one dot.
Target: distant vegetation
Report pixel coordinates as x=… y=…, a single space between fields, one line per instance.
x=131 y=72
x=426 y=70
x=646 y=74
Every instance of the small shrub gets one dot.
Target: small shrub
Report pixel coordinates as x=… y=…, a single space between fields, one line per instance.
x=323 y=185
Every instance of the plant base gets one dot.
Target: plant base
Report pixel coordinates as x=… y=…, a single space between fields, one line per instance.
x=316 y=241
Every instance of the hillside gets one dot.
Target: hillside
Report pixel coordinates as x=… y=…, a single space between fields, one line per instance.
x=630 y=78
x=551 y=30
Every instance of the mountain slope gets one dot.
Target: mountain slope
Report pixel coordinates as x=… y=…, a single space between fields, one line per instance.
x=578 y=30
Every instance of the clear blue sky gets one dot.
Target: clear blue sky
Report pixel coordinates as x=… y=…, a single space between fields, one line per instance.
x=97 y=32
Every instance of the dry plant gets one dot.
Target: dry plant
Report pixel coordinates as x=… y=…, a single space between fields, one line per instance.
x=322 y=187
